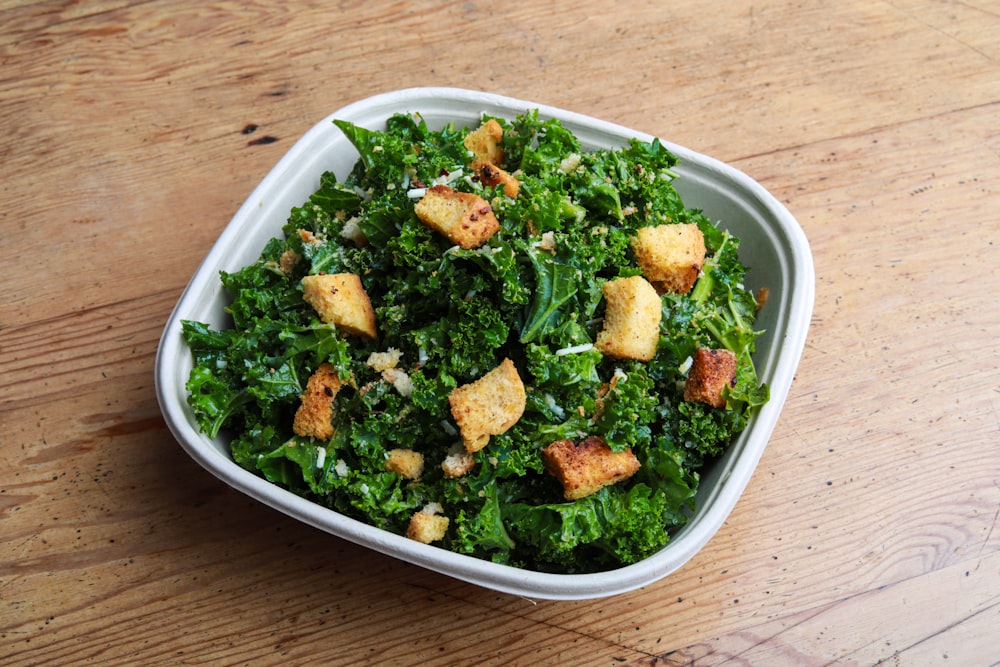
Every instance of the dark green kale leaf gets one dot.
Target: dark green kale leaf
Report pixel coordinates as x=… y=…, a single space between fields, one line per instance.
x=555 y=284
x=627 y=410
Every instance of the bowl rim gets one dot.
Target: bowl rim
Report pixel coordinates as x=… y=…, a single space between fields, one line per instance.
x=798 y=274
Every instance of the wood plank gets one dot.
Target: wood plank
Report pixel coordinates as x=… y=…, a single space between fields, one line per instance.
x=887 y=625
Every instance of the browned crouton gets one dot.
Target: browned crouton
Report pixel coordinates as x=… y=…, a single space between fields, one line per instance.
x=427 y=525
x=405 y=463
x=488 y=406
x=315 y=414
x=631 y=319
x=458 y=462
x=340 y=299
x=711 y=372
x=491 y=175
x=670 y=256
x=466 y=219
x=485 y=142
x=588 y=466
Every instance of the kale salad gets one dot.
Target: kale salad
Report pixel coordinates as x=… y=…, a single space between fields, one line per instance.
x=491 y=340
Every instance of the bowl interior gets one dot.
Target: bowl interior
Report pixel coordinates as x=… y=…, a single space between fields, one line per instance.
x=772 y=245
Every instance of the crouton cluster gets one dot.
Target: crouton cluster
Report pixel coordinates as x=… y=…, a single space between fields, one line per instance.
x=340 y=299
x=631 y=320
x=670 y=256
x=466 y=219
x=315 y=413
x=711 y=371
x=586 y=467
x=488 y=406
x=488 y=162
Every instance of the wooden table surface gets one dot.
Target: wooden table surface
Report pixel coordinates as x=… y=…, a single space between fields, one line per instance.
x=868 y=534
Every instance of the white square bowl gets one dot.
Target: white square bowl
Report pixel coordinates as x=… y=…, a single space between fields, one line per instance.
x=773 y=247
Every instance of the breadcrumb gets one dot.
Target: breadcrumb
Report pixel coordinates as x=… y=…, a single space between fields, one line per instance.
x=287 y=261
x=458 y=462
x=381 y=361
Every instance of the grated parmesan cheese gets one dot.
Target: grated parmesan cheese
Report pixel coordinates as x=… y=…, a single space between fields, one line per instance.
x=686 y=366
x=574 y=349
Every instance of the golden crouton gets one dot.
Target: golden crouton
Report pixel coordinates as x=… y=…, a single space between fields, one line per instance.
x=631 y=319
x=466 y=219
x=670 y=256
x=458 y=462
x=711 y=371
x=427 y=526
x=588 y=466
x=405 y=463
x=491 y=175
x=488 y=406
x=340 y=299
x=485 y=142
x=315 y=414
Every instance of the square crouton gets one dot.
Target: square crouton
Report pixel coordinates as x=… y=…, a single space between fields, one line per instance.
x=314 y=416
x=588 y=466
x=466 y=219
x=341 y=299
x=631 y=319
x=484 y=142
x=406 y=463
x=491 y=175
x=488 y=406
x=427 y=525
x=711 y=371
x=670 y=256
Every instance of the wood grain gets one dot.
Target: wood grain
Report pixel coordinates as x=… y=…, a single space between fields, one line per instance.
x=131 y=133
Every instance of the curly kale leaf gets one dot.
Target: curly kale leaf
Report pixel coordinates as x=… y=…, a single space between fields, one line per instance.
x=615 y=526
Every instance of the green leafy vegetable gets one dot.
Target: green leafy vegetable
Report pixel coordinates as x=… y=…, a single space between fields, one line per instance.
x=447 y=315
